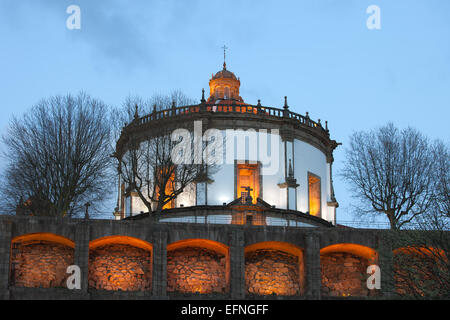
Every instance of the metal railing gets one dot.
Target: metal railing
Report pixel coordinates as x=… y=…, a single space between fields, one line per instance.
x=228 y=219
x=363 y=224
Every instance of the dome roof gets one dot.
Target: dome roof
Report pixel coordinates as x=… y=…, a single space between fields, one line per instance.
x=224 y=74
x=224 y=86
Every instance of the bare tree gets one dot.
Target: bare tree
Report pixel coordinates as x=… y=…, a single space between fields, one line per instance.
x=147 y=167
x=149 y=170
x=403 y=176
x=392 y=173
x=423 y=263
x=441 y=155
x=422 y=256
x=58 y=155
x=136 y=105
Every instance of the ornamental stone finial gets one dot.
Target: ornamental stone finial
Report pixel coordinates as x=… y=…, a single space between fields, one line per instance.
x=286 y=108
x=174 y=108
x=136 y=114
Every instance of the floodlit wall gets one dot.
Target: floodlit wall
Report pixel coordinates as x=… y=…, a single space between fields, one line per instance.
x=40 y=260
x=120 y=263
x=144 y=259
x=305 y=158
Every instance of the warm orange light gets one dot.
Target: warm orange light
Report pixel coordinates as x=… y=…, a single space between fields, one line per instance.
x=358 y=250
x=314 y=195
x=168 y=191
x=193 y=281
x=202 y=243
x=120 y=263
x=275 y=245
x=272 y=284
x=248 y=176
x=342 y=268
x=32 y=237
x=134 y=242
x=421 y=251
x=242 y=216
x=40 y=260
x=224 y=88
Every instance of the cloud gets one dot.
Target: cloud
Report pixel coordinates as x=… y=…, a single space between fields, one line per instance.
x=111 y=29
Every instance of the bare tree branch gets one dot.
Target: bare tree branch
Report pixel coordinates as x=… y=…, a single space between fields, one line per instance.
x=391 y=172
x=147 y=167
x=58 y=156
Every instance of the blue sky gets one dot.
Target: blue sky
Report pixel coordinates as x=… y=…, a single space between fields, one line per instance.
x=319 y=53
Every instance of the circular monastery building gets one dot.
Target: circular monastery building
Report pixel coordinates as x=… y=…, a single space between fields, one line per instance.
x=266 y=158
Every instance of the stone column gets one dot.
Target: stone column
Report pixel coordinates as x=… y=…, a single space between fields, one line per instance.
x=312 y=267
x=5 y=251
x=81 y=255
x=237 y=265
x=159 y=276
x=386 y=264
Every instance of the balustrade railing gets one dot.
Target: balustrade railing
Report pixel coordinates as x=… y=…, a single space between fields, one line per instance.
x=227 y=108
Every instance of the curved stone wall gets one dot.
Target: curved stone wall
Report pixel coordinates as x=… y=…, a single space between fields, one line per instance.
x=196 y=270
x=40 y=264
x=270 y=271
x=343 y=274
x=120 y=267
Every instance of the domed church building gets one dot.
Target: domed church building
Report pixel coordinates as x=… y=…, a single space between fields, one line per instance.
x=273 y=160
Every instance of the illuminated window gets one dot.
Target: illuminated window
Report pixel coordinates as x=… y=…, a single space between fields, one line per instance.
x=168 y=191
x=314 y=194
x=227 y=93
x=248 y=177
x=218 y=93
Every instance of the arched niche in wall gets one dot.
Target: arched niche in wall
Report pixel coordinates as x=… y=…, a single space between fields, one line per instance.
x=120 y=263
x=274 y=267
x=344 y=269
x=198 y=266
x=40 y=260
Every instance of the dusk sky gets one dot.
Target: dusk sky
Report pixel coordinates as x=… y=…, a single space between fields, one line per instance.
x=318 y=53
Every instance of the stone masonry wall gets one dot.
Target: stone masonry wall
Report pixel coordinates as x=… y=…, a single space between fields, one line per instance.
x=120 y=267
x=343 y=274
x=40 y=264
x=196 y=270
x=19 y=257
x=272 y=272
x=420 y=275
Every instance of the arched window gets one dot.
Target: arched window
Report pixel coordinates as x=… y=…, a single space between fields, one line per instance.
x=227 y=93
x=219 y=93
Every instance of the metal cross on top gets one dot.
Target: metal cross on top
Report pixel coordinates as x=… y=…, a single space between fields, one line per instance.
x=224 y=54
